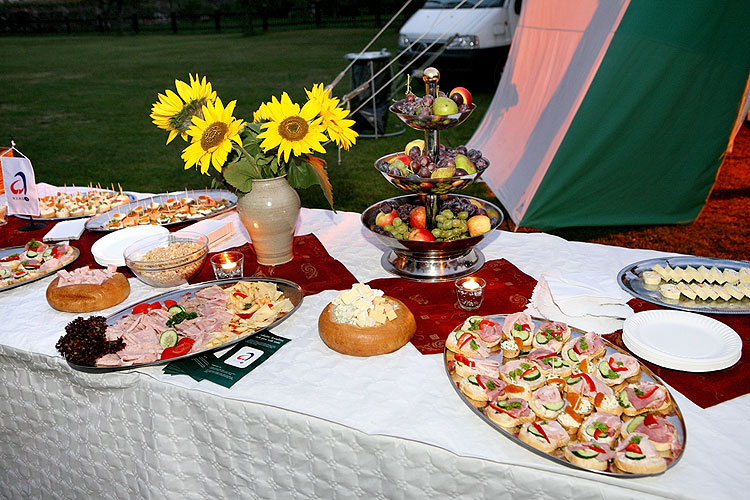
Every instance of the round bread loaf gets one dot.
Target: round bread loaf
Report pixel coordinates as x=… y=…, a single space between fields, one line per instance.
x=88 y=297
x=370 y=341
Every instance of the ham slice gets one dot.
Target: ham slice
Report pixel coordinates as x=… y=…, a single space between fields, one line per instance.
x=548 y=394
x=517 y=321
x=612 y=422
x=493 y=387
x=645 y=398
x=85 y=276
x=592 y=342
x=589 y=386
x=490 y=333
x=553 y=430
x=482 y=366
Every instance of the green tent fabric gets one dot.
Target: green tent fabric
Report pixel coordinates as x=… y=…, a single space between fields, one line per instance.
x=642 y=137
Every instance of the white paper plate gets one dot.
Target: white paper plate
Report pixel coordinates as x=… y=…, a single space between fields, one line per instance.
x=108 y=249
x=682 y=340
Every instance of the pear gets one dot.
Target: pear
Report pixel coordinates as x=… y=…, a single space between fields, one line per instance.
x=443 y=172
x=463 y=162
x=444 y=106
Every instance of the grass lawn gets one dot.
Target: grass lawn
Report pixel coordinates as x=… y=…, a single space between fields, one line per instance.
x=78 y=106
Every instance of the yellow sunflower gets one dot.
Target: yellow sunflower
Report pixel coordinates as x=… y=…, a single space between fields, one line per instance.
x=212 y=137
x=292 y=129
x=261 y=114
x=334 y=118
x=174 y=111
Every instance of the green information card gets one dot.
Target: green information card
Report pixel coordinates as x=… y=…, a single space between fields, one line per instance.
x=231 y=365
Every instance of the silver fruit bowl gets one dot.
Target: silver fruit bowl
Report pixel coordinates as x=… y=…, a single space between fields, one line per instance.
x=427 y=185
x=431 y=260
x=432 y=122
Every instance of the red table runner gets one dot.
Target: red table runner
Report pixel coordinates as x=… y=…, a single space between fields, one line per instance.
x=435 y=307
x=312 y=267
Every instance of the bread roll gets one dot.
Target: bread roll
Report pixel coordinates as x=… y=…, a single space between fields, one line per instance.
x=369 y=341
x=88 y=297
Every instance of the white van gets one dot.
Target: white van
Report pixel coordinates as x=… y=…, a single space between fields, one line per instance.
x=474 y=37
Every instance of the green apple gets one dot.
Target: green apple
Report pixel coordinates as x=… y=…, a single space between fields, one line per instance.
x=444 y=106
x=463 y=161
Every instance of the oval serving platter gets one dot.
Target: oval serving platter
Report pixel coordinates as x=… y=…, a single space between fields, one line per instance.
x=6 y=252
x=291 y=290
x=100 y=222
x=73 y=190
x=674 y=416
x=630 y=279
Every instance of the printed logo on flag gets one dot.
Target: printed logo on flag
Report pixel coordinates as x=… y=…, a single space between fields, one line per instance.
x=20 y=186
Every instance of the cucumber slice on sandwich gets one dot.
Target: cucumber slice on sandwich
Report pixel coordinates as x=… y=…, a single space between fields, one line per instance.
x=585 y=453
x=634 y=423
x=554 y=405
x=634 y=456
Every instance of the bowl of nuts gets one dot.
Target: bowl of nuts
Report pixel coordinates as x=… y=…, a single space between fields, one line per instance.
x=169 y=259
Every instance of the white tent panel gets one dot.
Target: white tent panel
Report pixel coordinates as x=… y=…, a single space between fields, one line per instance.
x=556 y=51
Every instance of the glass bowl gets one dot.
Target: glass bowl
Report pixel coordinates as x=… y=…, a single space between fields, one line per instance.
x=432 y=122
x=169 y=259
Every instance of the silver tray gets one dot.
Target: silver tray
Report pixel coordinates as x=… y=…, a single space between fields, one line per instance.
x=291 y=290
x=130 y=196
x=629 y=278
x=674 y=417
x=5 y=252
x=99 y=222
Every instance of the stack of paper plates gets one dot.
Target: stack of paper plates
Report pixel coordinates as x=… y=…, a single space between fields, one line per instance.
x=682 y=340
x=108 y=249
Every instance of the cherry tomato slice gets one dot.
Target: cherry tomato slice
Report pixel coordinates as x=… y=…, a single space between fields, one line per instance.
x=155 y=305
x=634 y=448
x=183 y=347
x=169 y=303
x=141 y=308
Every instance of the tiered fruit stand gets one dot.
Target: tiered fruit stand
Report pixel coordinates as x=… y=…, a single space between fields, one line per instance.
x=431 y=260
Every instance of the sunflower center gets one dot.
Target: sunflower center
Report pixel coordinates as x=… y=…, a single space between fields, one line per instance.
x=293 y=128
x=213 y=135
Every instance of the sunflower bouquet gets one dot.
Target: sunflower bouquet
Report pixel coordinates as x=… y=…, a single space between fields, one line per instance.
x=279 y=141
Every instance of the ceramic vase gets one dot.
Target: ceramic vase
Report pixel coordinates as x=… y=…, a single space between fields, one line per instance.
x=269 y=213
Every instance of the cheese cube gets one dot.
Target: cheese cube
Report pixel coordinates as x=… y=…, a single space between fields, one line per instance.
x=719 y=289
x=694 y=274
x=716 y=275
x=731 y=276
x=732 y=290
x=700 y=290
x=661 y=271
x=705 y=273
x=686 y=290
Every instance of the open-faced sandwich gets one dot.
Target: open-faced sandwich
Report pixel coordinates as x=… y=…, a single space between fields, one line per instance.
x=638 y=455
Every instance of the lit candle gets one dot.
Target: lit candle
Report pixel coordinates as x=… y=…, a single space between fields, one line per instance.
x=227 y=264
x=470 y=292
x=471 y=284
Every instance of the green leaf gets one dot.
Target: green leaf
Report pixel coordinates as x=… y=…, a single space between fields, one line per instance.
x=301 y=176
x=241 y=173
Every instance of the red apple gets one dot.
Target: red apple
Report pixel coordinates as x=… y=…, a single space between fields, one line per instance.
x=418 y=218
x=418 y=234
x=383 y=219
x=464 y=93
x=405 y=159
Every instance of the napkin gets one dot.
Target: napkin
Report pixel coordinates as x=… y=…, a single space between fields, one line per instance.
x=225 y=231
x=66 y=230
x=590 y=301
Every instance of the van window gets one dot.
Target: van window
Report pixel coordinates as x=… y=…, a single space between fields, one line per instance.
x=468 y=4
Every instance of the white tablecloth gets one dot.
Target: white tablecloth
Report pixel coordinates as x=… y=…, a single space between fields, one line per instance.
x=309 y=422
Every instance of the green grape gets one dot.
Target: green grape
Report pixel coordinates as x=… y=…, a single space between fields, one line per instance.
x=456 y=223
x=447 y=214
x=463 y=215
x=388 y=227
x=439 y=218
x=403 y=229
x=445 y=225
x=437 y=232
x=398 y=236
x=463 y=227
x=397 y=222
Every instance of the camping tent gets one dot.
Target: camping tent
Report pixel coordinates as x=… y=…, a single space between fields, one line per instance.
x=616 y=111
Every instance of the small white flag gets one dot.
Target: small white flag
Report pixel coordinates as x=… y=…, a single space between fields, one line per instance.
x=20 y=186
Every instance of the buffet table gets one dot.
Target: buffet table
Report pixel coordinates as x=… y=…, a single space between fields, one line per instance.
x=309 y=422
